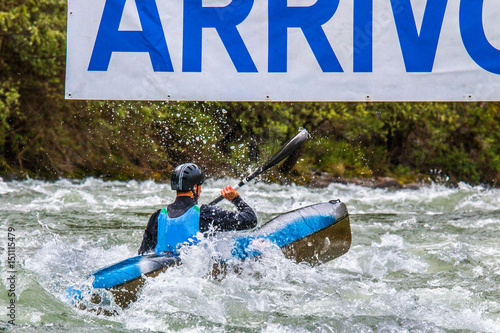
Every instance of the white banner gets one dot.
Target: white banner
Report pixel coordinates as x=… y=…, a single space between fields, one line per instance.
x=284 y=50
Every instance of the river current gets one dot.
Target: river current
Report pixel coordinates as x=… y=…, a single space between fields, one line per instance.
x=425 y=260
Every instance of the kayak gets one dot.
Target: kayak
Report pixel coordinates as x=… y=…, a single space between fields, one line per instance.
x=314 y=234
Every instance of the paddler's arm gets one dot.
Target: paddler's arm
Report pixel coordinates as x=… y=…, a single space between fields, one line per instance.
x=223 y=220
x=150 y=235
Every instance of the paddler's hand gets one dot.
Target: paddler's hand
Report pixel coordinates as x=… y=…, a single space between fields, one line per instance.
x=229 y=193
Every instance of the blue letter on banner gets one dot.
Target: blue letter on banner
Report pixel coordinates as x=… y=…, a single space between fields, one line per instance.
x=419 y=51
x=474 y=38
x=363 y=36
x=224 y=20
x=110 y=39
x=309 y=19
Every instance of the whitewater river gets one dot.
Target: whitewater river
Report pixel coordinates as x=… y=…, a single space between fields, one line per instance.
x=424 y=260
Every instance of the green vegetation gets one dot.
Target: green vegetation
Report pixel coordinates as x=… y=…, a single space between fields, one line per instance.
x=42 y=135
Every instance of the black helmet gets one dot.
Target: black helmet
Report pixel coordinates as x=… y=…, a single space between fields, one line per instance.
x=186 y=176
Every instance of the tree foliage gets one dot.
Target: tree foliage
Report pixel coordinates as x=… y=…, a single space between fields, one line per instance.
x=43 y=135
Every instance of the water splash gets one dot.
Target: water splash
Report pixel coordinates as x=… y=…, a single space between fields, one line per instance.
x=423 y=260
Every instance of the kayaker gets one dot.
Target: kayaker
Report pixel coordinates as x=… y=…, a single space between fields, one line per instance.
x=183 y=219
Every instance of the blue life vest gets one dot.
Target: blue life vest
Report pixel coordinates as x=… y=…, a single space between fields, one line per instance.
x=173 y=232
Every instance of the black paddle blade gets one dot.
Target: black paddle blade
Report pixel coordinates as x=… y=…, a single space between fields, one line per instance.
x=287 y=149
x=283 y=153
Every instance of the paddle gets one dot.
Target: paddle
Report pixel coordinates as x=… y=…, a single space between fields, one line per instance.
x=283 y=153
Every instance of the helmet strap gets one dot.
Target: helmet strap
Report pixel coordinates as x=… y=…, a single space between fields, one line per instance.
x=195 y=195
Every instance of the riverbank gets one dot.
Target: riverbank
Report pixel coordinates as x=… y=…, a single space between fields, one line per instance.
x=313 y=179
x=360 y=143
x=324 y=180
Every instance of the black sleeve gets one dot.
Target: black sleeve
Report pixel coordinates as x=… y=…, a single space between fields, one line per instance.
x=150 y=235
x=223 y=220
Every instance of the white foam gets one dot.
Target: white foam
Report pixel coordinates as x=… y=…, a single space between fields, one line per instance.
x=420 y=260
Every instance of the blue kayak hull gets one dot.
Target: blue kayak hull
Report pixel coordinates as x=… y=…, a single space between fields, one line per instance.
x=314 y=234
